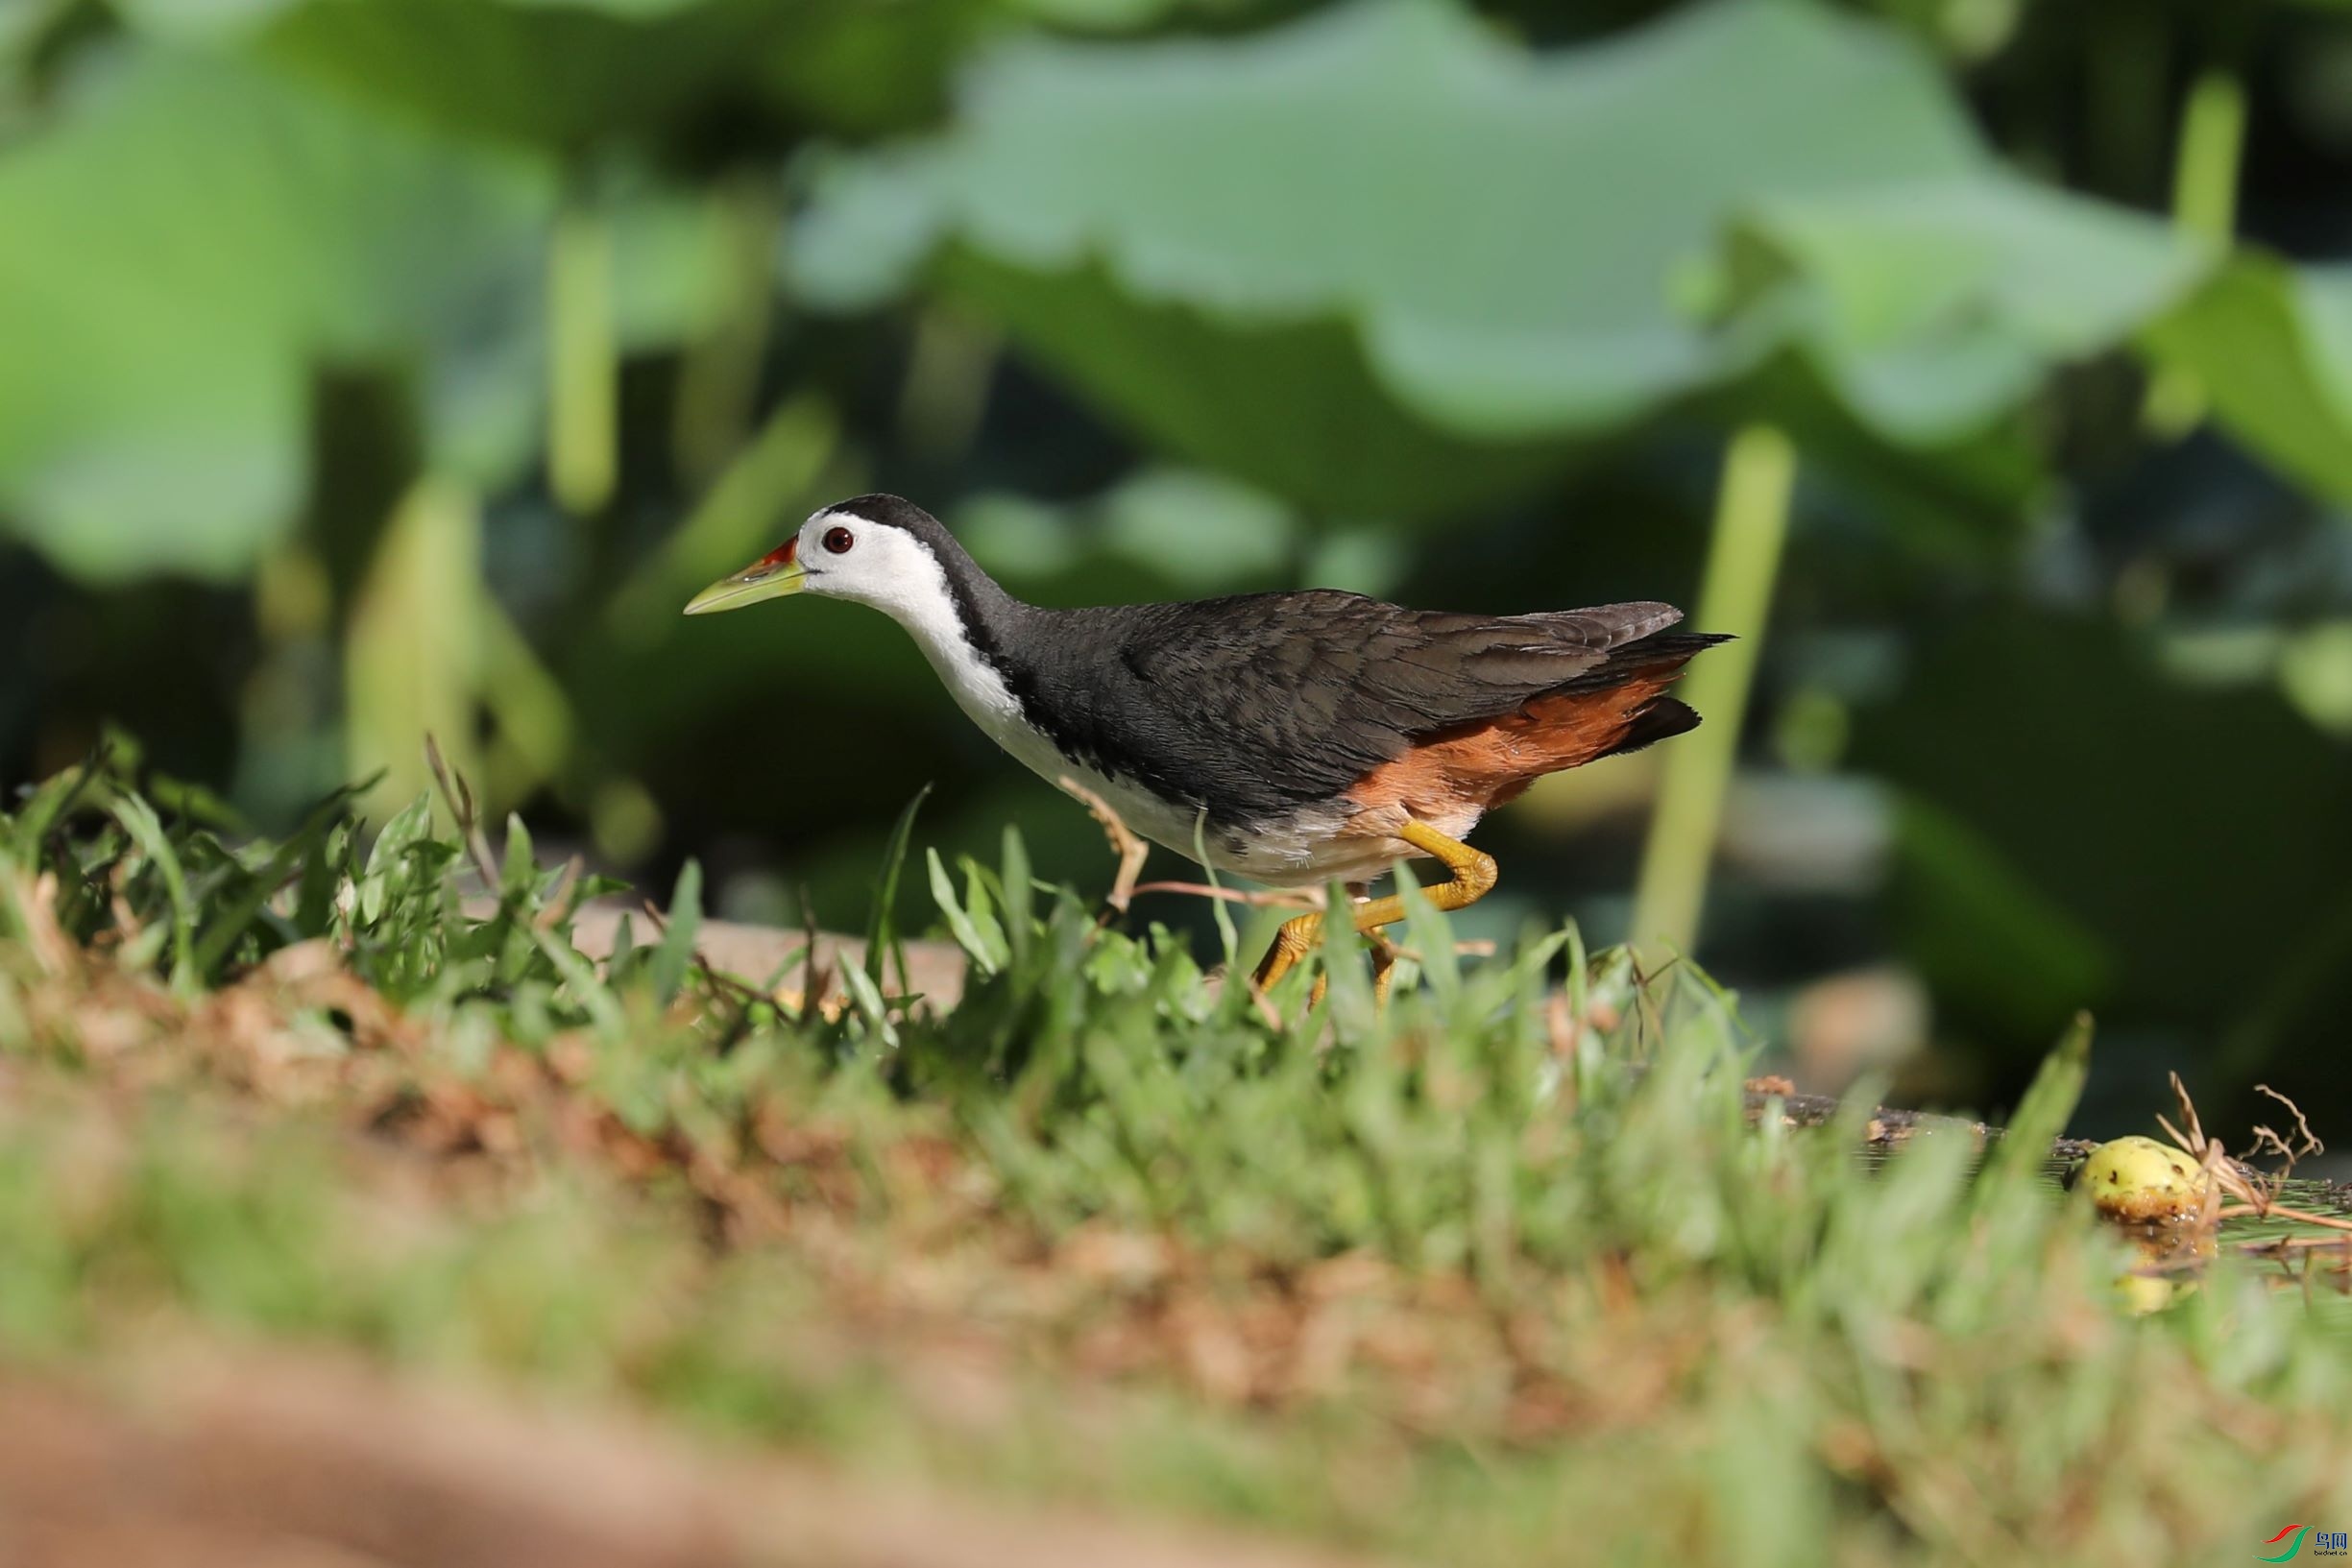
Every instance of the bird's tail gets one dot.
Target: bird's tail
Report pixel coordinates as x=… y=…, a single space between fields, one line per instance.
x=1637 y=675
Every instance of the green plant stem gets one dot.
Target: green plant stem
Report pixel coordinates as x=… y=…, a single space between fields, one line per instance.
x=583 y=363
x=946 y=390
x=412 y=649
x=718 y=379
x=2212 y=146
x=794 y=455
x=1735 y=596
x=2205 y=173
x=535 y=728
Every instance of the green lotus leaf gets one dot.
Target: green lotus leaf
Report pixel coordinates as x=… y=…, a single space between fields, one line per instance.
x=576 y=76
x=1215 y=394
x=563 y=76
x=2271 y=346
x=1509 y=242
x=189 y=240
x=561 y=73
x=1934 y=308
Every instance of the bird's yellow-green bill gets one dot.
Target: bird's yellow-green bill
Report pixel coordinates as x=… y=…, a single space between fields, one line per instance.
x=770 y=577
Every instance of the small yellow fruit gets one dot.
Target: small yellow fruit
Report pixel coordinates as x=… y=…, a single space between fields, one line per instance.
x=2139 y=1179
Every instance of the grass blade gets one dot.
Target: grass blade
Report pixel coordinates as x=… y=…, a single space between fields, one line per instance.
x=882 y=925
x=146 y=829
x=675 y=957
x=960 y=923
x=235 y=913
x=1020 y=897
x=2042 y=1115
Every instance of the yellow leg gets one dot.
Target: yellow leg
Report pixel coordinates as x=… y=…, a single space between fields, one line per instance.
x=1384 y=971
x=1474 y=879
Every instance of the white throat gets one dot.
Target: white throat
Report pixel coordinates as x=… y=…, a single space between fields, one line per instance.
x=899 y=577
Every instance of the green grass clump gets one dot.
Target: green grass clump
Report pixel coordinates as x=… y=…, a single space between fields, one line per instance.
x=1491 y=1276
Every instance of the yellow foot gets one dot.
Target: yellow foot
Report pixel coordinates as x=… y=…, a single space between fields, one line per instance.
x=1384 y=971
x=1473 y=879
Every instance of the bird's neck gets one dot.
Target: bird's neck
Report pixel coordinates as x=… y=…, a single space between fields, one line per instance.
x=970 y=629
x=990 y=618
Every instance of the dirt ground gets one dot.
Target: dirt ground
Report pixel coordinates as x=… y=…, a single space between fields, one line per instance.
x=251 y=1459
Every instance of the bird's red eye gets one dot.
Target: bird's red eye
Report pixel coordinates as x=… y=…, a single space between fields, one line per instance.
x=837 y=540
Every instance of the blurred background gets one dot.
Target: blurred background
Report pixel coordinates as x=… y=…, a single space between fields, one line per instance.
x=376 y=366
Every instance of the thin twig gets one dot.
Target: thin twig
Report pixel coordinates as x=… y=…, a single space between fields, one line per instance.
x=1266 y=1010
x=460 y=801
x=745 y=992
x=559 y=909
x=1474 y=948
x=2306 y=1142
x=2256 y=1193
x=2282 y=1210
x=816 y=978
x=1262 y=898
x=2220 y=1175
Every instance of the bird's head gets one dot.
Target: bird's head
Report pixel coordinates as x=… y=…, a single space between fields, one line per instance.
x=875 y=549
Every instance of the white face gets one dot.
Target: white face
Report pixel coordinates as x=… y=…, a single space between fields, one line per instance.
x=848 y=556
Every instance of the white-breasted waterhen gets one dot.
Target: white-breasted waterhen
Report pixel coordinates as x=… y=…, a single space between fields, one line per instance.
x=1299 y=739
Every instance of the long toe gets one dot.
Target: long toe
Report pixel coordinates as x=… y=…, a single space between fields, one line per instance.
x=1384 y=968
x=1291 y=944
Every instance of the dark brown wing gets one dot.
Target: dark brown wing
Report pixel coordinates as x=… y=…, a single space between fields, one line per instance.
x=1257 y=704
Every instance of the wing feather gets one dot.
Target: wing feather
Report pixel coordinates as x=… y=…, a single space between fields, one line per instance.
x=1256 y=705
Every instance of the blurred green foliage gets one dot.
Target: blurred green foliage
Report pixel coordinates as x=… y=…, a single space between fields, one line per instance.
x=372 y=365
